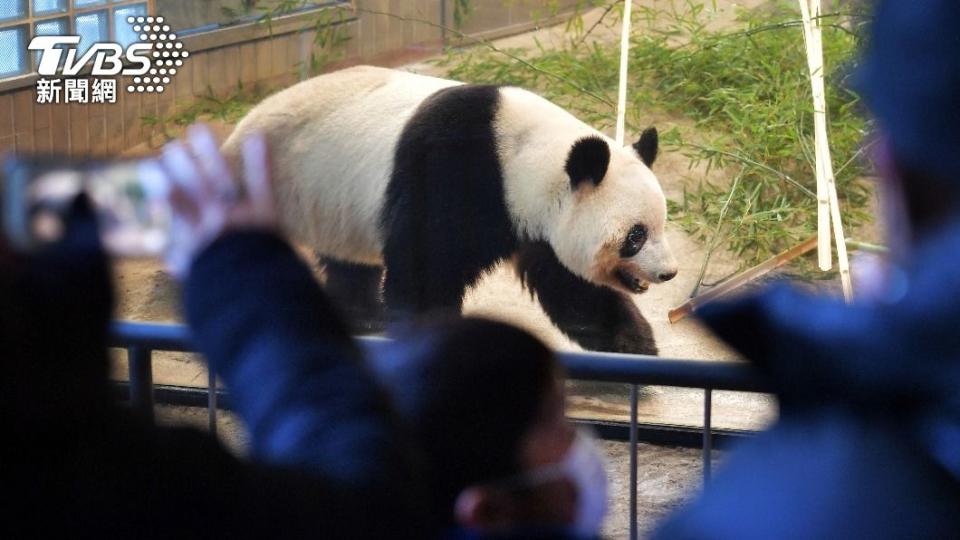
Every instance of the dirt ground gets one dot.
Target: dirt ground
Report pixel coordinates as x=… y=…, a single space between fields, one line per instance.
x=666 y=475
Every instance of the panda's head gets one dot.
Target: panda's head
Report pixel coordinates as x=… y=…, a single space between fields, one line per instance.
x=611 y=230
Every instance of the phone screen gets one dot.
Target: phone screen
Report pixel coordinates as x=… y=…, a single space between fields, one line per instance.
x=129 y=198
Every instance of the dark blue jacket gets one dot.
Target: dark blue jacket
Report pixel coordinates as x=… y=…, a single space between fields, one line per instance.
x=868 y=443
x=299 y=383
x=76 y=464
x=295 y=376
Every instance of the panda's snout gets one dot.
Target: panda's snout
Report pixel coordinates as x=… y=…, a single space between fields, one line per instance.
x=662 y=266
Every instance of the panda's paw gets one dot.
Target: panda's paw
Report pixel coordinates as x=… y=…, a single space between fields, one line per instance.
x=627 y=339
x=632 y=343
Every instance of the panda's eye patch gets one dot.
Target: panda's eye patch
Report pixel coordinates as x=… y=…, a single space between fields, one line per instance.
x=634 y=242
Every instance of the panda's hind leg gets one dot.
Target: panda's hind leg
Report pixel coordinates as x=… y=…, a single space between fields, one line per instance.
x=356 y=289
x=597 y=318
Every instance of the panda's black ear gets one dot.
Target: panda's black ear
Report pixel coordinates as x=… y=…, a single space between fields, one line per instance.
x=648 y=146
x=588 y=161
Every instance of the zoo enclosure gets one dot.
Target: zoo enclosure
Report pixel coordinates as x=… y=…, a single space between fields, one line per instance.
x=140 y=340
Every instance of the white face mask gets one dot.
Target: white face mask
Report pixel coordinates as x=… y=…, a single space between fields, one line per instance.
x=585 y=466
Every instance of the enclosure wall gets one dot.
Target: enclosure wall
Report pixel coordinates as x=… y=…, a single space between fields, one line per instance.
x=385 y=32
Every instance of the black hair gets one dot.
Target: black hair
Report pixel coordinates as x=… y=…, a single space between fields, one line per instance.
x=469 y=390
x=930 y=201
x=54 y=321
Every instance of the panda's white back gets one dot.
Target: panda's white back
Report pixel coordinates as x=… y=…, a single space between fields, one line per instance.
x=333 y=140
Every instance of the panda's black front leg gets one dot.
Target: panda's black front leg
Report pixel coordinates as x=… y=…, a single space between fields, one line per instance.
x=597 y=318
x=356 y=291
x=420 y=283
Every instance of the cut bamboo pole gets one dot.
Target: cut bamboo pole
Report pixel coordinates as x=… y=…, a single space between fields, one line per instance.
x=867 y=247
x=624 y=63
x=843 y=261
x=741 y=279
x=828 y=205
x=815 y=65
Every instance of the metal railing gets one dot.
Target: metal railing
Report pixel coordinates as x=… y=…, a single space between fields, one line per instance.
x=141 y=339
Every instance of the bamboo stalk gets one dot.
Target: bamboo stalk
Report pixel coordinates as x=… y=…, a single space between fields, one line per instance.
x=865 y=246
x=624 y=64
x=843 y=261
x=826 y=180
x=690 y=306
x=815 y=65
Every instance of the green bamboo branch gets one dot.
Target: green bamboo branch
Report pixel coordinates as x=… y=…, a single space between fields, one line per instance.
x=593 y=27
x=715 y=240
x=748 y=161
x=490 y=46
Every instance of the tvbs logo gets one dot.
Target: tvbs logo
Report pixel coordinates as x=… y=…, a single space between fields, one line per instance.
x=151 y=62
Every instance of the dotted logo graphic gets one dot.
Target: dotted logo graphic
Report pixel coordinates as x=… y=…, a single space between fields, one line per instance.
x=168 y=54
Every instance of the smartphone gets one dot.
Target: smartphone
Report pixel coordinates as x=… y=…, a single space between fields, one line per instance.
x=129 y=198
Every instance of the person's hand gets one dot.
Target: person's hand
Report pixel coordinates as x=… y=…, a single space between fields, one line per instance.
x=205 y=199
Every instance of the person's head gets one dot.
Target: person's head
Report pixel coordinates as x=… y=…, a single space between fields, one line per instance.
x=910 y=79
x=54 y=319
x=486 y=402
x=6 y=255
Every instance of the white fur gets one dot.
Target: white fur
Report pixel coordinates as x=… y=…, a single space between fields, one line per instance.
x=333 y=139
x=535 y=137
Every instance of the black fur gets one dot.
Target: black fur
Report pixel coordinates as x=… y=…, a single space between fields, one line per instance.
x=588 y=161
x=445 y=222
x=356 y=290
x=597 y=318
x=445 y=219
x=648 y=146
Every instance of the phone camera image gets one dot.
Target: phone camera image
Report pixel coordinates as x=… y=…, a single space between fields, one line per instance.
x=131 y=203
x=128 y=197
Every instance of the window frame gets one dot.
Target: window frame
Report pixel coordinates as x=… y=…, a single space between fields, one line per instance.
x=204 y=39
x=70 y=13
x=251 y=29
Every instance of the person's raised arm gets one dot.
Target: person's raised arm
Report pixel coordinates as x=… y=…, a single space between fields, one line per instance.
x=258 y=315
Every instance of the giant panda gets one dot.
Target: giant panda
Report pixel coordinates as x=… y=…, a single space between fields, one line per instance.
x=437 y=181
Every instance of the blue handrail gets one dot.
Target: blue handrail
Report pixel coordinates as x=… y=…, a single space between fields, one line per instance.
x=141 y=339
x=593 y=366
